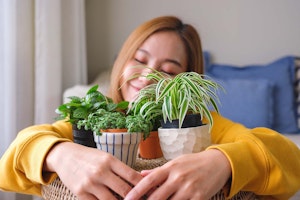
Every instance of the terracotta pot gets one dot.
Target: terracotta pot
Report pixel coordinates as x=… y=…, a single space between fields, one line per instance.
x=122 y=145
x=150 y=147
x=114 y=130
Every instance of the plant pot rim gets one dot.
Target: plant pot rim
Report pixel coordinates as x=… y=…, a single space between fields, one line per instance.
x=83 y=137
x=190 y=120
x=184 y=127
x=114 y=130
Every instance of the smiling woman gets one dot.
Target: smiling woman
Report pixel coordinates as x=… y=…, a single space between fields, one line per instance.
x=191 y=176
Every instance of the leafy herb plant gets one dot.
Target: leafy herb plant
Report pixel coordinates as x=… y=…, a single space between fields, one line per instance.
x=103 y=119
x=145 y=105
x=175 y=97
x=96 y=112
x=79 y=108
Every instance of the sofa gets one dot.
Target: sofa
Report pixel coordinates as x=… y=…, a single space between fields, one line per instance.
x=261 y=95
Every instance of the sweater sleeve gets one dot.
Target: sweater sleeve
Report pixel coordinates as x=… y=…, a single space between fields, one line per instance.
x=262 y=160
x=21 y=166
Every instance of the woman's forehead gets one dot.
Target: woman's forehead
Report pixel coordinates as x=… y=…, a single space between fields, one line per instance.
x=165 y=44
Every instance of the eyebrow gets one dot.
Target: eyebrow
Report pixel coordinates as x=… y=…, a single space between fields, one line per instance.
x=166 y=60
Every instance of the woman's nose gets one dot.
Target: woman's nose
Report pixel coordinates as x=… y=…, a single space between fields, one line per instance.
x=151 y=67
x=145 y=71
x=144 y=74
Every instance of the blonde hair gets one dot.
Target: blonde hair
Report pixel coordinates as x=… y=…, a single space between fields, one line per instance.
x=187 y=33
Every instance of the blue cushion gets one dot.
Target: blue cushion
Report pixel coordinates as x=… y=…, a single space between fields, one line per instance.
x=281 y=73
x=248 y=102
x=206 y=59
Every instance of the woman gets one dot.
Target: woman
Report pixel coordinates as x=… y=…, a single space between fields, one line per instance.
x=244 y=159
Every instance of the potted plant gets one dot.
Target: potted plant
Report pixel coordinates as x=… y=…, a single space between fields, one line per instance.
x=146 y=106
x=94 y=113
x=187 y=97
x=79 y=108
x=117 y=132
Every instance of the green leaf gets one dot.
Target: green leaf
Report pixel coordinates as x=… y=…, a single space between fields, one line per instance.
x=183 y=111
x=92 y=89
x=123 y=105
x=75 y=99
x=80 y=113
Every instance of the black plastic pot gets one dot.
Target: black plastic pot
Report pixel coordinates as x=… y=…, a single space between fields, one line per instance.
x=83 y=137
x=190 y=120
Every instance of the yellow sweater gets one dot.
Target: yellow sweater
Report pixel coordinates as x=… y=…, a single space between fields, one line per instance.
x=262 y=160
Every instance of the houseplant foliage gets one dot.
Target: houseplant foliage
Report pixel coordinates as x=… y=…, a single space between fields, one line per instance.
x=146 y=106
x=102 y=120
x=186 y=93
x=96 y=112
x=175 y=99
x=79 y=108
x=121 y=143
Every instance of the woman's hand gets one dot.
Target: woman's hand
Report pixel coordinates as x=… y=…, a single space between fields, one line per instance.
x=90 y=173
x=191 y=176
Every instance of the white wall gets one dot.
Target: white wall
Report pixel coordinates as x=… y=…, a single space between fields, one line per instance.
x=235 y=31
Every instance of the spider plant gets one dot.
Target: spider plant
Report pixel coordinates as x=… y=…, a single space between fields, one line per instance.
x=187 y=92
x=146 y=106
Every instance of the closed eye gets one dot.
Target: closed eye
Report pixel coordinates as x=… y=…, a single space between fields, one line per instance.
x=170 y=73
x=139 y=61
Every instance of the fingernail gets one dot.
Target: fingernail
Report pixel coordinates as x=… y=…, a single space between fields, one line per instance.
x=128 y=197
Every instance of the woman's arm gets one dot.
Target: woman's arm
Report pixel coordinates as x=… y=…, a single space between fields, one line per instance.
x=258 y=160
x=190 y=176
x=40 y=152
x=262 y=160
x=22 y=163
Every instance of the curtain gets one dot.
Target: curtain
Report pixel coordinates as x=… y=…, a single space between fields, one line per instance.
x=42 y=52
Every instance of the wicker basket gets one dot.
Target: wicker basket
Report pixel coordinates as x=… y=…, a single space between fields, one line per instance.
x=58 y=191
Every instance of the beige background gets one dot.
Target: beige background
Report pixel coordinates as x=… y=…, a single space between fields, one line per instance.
x=235 y=31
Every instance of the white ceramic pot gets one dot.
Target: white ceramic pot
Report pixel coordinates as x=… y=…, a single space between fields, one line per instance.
x=122 y=145
x=175 y=142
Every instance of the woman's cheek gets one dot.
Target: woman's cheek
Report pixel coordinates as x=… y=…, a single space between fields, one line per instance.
x=128 y=92
x=129 y=71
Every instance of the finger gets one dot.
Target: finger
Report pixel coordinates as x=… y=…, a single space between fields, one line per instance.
x=146 y=184
x=118 y=185
x=164 y=191
x=127 y=173
x=146 y=172
x=100 y=192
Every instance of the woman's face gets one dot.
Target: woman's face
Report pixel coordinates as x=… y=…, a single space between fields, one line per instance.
x=163 y=51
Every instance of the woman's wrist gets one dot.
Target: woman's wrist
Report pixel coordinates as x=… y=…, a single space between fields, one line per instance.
x=225 y=168
x=53 y=157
